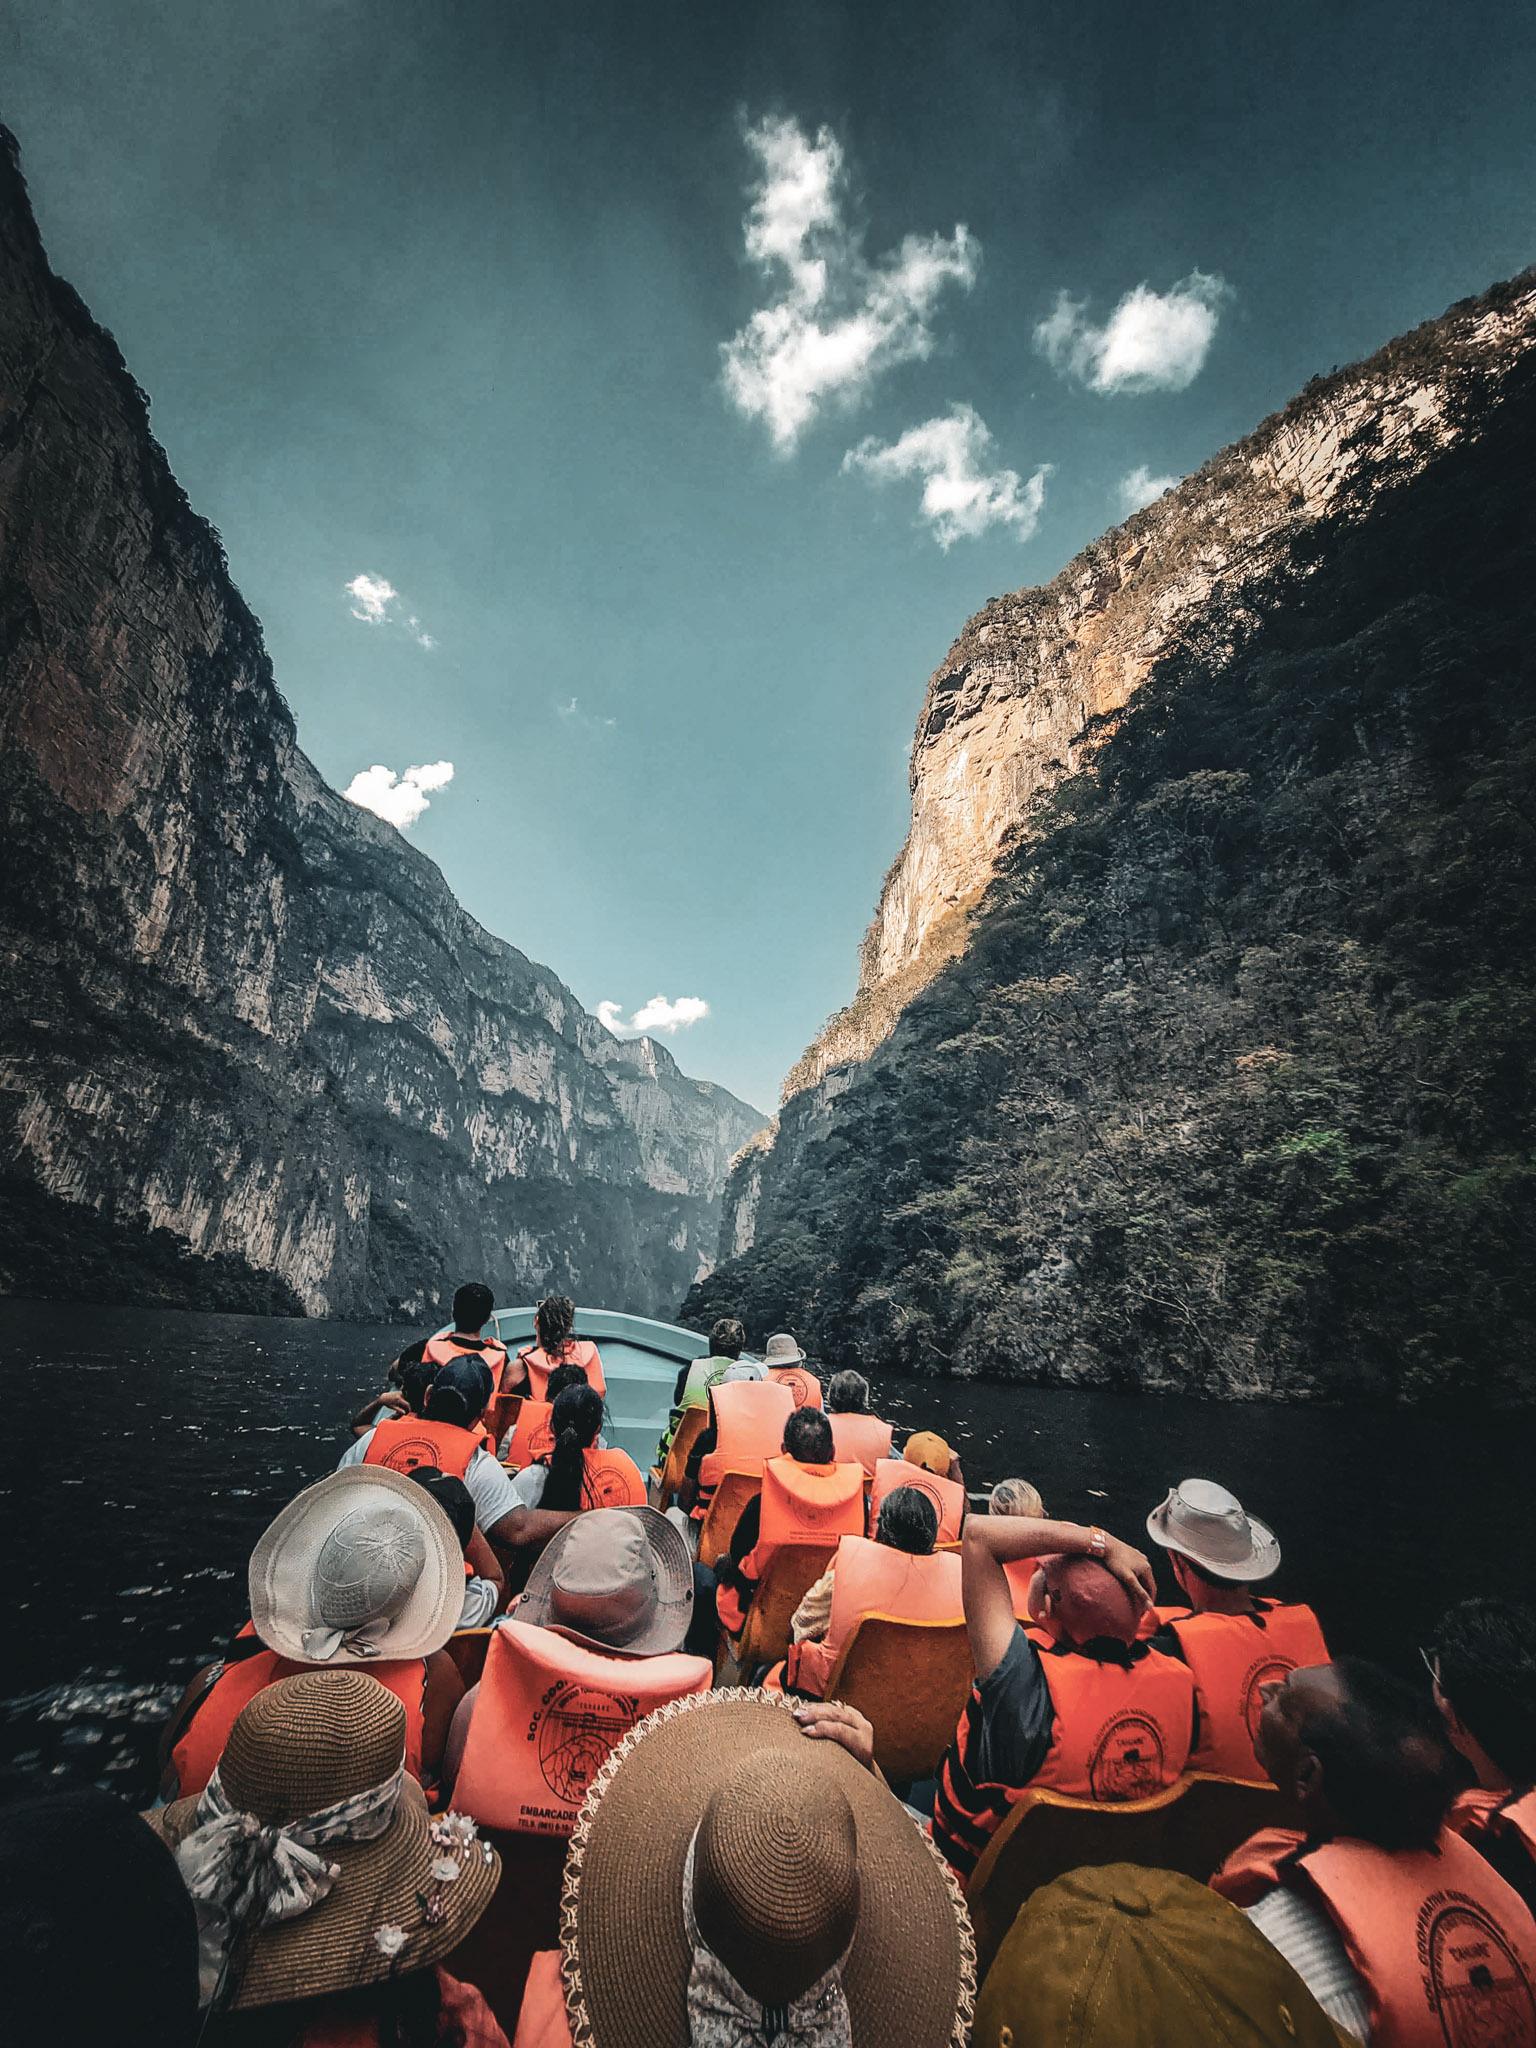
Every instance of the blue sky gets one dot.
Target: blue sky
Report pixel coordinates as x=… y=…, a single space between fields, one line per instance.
x=626 y=344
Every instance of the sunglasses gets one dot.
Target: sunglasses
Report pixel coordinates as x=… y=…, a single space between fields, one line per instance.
x=1431 y=1663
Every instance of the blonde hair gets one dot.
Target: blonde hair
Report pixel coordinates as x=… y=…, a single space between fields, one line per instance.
x=1015 y=1497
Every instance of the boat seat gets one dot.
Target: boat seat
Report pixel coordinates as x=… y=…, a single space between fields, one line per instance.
x=501 y=1415
x=910 y=1680
x=686 y=1435
x=467 y=1648
x=1191 y=1826
x=725 y=1510
x=794 y=1569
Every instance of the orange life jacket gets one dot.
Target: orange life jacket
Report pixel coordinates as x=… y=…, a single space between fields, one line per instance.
x=749 y=1420
x=532 y=1436
x=576 y=1351
x=463 y=2015
x=803 y=1384
x=1231 y=1657
x=406 y=1441
x=872 y=1578
x=1489 y=1820
x=611 y=1479
x=202 y=1741
x=1020 y=1573
x=1121 y=1731
x=546 y=1717
x=490 y=1351
x=861 y=1439
x=541 y=2018
x=947 y=1495
x=1445 y=1948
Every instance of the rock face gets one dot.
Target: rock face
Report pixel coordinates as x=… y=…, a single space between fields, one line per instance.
x=253 y=1053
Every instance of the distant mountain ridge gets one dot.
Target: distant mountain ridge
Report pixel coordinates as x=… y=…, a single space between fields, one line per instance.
x=253 y=1053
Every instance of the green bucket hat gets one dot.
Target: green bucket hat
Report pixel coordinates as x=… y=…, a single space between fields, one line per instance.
x=1121 y=1957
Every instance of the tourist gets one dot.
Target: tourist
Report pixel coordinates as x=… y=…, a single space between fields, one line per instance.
x=785 y=1362
x=1019 y=1497
x=927 y=1462
x=928 y=1450
x=363 y=1568
x=1353 y=1901
x=747 y=1415
x=898 y=1574
x=409 y=1397
x=735 y=1883
x=98 y=1936
x=326 y=1893
x=1233 y=1639
x=485 y=1584
x=531 y=1436
x=555 y=1343
x=806 y=1496
x=1483 y=1667
x=857 y=1432
x=473 y=1304
x=727 y=1341
x=576 y=1473
x=1121 y=1957
x=1083 y=1708
x=606 y=1612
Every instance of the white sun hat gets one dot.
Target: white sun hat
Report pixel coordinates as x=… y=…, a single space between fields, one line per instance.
x=1202 y=1521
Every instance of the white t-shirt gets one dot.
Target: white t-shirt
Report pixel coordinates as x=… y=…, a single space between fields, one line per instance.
x=1304 y=1934
x=481 y=1599
x=528 y=1484
x=490 y=1488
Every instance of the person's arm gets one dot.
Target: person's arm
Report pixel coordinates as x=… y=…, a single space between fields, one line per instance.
x=991 y=1541
x=525 y=1529
x=485 y=1564
x=376 y=1407
x=832 y=1721
x=515 y=1379
x=444 y=1690
x=681 y=1382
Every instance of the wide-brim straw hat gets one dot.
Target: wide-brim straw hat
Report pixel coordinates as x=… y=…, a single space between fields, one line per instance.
x=910 y=1975
x=615 y=1579
x=1201 y=1520
x=783 y=1349
x=283 y=1573
x=296 y=1748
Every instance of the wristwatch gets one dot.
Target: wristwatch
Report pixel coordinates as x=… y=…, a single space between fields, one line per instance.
x=1098 y=1543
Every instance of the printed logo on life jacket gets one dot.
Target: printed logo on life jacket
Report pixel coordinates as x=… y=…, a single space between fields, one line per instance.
x=929 y=1491
x=1472 y=1978
x=798 y=1384
x=607 y=1487
x=572 y=1731
x=406 y=1453
x=541 y=1441
x=1268 y=1671
x=1127 y=1760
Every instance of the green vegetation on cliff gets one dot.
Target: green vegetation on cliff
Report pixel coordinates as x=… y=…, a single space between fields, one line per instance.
x=1231 y=1088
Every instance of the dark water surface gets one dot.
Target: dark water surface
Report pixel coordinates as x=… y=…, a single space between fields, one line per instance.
x=149 y=1449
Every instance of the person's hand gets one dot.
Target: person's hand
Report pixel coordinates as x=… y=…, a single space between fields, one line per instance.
x=1131 y=1568
x=831 y=1721
x=396 y=1403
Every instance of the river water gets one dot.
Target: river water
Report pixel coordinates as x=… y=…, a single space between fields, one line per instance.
x=149 y=1449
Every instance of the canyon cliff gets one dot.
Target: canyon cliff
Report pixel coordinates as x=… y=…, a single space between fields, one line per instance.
x=253 y=1054
x=1191 y=1040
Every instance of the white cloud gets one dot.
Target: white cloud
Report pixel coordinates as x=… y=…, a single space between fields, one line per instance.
x=374 y=599
x=659 y=1014
x=398 y=799
x=962 y=497
x=1152 y=341
x=837 y=321
x=1140 y=487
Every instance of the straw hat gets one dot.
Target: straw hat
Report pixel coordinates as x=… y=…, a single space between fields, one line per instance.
x=616 y=1579
x=361 y=1566
x=795 y=1852
x=783 y=1350
x=1120 y=1957
x=302 y=1746
x=1201 y=1520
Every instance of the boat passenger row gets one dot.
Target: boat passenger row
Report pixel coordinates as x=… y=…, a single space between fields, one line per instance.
x=790 y=1743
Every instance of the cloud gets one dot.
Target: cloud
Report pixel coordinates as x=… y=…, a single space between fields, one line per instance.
x=1139 y=487
x=837 y=321
x=659 y=1014
x=1152 y=341
x=962 y=497
x=398 y=799
x=591 y=721
x=374 y=599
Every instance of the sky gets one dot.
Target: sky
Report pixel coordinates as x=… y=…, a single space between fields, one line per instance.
x=613 y=412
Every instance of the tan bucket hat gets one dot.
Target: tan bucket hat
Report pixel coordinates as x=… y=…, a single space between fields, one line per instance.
x=312 y=1746
x=783 y=1350
x=1201 y=1520
x=790 y=1860
x=361 y=1566
x=616 y=1579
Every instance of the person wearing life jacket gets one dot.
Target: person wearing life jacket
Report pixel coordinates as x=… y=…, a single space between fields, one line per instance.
x=595 y=1645
x=1234 y=1640
x=1401 y=1931
x=747 y=1414
x=532 y=1436
x=1019 y=1497
x=727 y=1341
x=485 y=1583
x=857 y=1432
x=554 y=1322
x=575 y=1474
x=473 y=1304
x=806 y=1497
x=898 y=1572
x=784 y=1361
x=1483 y=1668
x=363 y=1568
x=1082 y=1707
x=948 y=1495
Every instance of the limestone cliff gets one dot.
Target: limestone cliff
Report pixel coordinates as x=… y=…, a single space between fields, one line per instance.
x=252 y=1052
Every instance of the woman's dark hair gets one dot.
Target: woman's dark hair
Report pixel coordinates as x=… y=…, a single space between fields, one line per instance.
x=1388 y=1772
x=1487 y=1653
x=453 y=1497
x=727 y=1338
x=908 y=1520
x=472 y=1306
x=808 y=1437
x=564 y=1376
x=576 y=1419
x=416 y=1383
x=553 y=1321
x=405 y=2011
x=848 y=1393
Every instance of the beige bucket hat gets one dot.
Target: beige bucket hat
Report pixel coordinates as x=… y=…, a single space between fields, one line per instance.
x=783 y=1350
x=364 y=1565
x=616 y=1579
x=1202 y=1521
